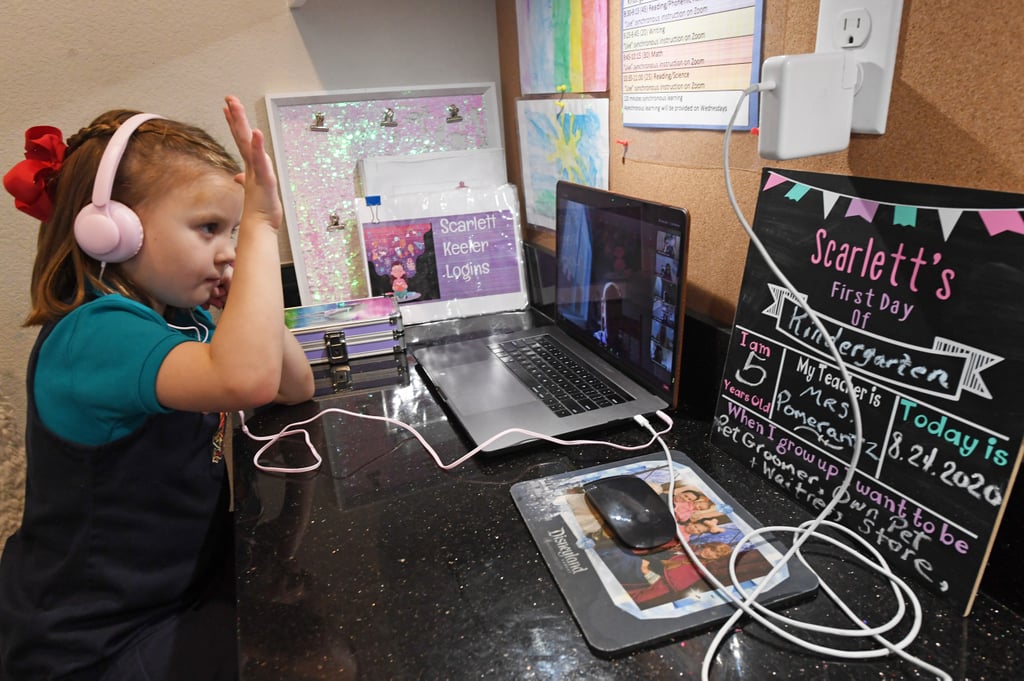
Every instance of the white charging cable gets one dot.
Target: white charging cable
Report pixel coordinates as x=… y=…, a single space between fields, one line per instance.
x=746 y=602
x=295 y=429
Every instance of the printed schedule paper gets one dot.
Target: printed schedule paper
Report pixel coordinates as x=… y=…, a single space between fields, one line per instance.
x=919 y=288
x=685 y=63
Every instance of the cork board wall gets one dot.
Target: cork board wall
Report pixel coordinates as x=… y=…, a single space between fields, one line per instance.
x=956 y=105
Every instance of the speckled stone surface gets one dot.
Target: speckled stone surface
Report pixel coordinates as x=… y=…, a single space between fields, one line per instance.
x=383 y=566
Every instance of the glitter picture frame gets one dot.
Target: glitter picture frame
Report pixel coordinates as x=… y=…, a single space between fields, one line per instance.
x=318 y=138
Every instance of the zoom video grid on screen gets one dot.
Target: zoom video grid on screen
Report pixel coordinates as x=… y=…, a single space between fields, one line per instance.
x=618 y=284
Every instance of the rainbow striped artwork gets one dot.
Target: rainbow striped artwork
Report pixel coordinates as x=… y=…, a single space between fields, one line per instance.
x=563 y=45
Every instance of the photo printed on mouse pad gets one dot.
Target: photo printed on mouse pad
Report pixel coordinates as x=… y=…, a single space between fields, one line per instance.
x=625 y=598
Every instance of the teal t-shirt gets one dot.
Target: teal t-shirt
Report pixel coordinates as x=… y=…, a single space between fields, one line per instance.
x=96 y=377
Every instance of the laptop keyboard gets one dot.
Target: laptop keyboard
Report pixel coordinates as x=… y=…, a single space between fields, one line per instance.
x=562 y=383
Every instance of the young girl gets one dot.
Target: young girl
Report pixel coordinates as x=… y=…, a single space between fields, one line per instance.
x=121 y=568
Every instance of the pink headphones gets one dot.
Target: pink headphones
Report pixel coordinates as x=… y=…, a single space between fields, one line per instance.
x=105 y=229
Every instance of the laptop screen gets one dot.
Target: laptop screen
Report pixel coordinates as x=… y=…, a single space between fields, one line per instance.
x=620 y=281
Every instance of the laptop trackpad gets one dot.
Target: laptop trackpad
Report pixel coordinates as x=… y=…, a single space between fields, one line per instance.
x=485 y=386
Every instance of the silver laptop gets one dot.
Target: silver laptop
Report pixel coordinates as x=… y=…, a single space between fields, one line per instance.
x=619 y=305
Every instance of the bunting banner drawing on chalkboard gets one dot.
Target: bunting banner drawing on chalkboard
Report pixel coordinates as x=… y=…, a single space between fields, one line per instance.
x=996 y=220
x=918 y=287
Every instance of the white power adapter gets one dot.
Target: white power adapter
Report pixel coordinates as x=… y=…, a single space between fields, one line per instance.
x=806 y=104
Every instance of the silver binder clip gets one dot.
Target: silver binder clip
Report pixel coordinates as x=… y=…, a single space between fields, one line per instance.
x=335 y=223
x=389 y=118
x=318 y=122
x=453 y=114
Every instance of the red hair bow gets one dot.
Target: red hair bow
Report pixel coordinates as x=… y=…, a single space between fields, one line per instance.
x=26 y=181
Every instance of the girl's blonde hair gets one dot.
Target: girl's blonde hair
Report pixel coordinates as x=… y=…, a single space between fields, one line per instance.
x=160 y=153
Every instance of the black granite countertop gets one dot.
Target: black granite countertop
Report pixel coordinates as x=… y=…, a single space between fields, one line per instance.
x=380 y=565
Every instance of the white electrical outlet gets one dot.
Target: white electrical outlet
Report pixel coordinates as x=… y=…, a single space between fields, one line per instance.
x=852 y=29
x=868 y=30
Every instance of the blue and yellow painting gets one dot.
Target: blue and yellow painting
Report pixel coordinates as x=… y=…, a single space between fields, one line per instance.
x=561 y=140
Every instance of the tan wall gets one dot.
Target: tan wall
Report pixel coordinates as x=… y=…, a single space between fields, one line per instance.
x=956 y=106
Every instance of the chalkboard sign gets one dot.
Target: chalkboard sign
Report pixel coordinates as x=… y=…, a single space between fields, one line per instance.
x=921 y=288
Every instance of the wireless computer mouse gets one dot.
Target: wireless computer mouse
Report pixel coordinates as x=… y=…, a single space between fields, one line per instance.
x=632 y=510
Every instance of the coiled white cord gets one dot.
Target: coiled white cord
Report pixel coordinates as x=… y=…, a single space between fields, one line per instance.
x=295 y=429
x=746 y=602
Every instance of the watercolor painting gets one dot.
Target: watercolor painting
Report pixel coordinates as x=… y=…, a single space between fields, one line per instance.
x=563 y=45
x=560 y=140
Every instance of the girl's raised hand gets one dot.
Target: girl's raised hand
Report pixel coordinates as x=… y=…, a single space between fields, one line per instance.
x=260 y=182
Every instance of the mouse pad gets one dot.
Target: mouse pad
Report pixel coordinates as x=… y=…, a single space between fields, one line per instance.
x=623 y=598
